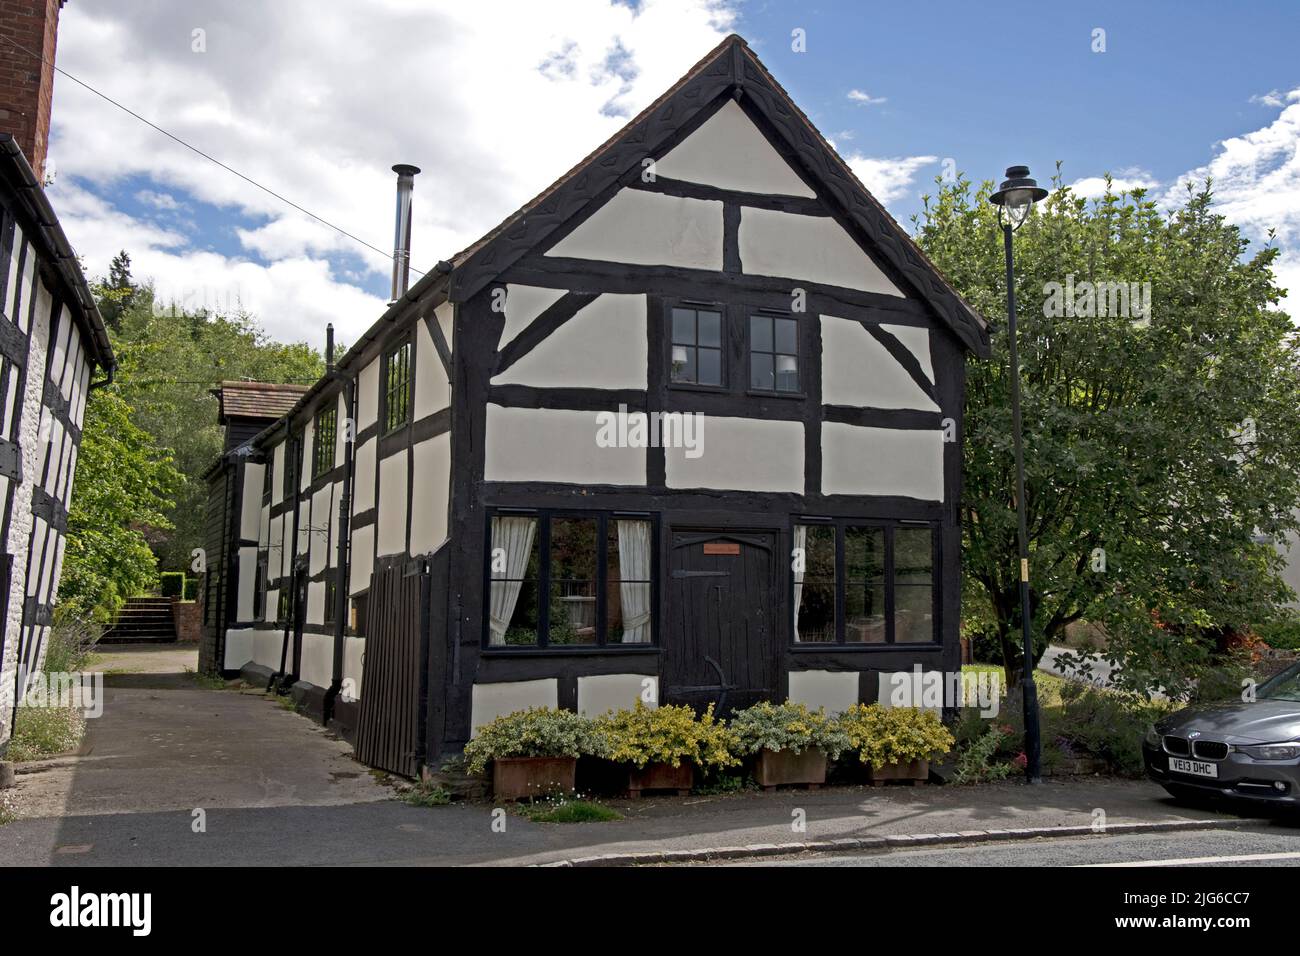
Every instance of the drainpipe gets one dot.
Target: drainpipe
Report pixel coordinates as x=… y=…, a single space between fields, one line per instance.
x=103 y=381
x=341 y=561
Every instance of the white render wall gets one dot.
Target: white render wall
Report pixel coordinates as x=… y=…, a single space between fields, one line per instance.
x=649 y=229
x=808 y=248
x=603 y=346
x=547 y=444
x=429 y=499
x=857 y=370
x=882 y=461
x=741 y=454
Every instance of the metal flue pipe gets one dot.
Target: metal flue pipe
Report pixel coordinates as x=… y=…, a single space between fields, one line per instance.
x=402 y=231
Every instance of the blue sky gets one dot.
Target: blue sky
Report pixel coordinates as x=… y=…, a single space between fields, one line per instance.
x=494 y=99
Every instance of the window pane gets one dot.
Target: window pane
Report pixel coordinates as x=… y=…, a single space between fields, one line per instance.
x=684 y=326
x=573 y=581
x=710 y=328
x=913 y=585
x=814 y=587
x=710 y=366
x=760 y=333
x=864 y=553
x=683 y=363
x=787 y=373
x=913 y=555
x=514 y=567
x=628 y=610
x=786 y=336
x=864 y=611
x=913 y=614
x=761 y=372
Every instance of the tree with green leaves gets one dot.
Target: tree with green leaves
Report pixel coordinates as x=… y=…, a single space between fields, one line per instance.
x=1161 y=422
x=122 y=492
x=116 y=293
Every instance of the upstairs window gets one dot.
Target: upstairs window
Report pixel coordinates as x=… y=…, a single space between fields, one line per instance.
x=696 y=346
x=773 y=354
x=397 y=387
x=331 y=596
x=323 y=446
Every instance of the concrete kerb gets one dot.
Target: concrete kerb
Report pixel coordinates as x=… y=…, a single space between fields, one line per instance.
x=884 y=844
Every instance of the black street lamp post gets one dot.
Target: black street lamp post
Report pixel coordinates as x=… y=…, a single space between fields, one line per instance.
x=1013 y=199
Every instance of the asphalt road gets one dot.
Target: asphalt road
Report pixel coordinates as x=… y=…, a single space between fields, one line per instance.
x=1265 y=846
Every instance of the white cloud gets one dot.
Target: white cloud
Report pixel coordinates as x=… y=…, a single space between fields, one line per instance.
x=862 y=98
x=317 y=101
x=1092 y=187
x=888 y=179
x=1275 y=98
x=162 y=201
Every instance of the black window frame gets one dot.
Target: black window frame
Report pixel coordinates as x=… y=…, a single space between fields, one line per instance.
x=260 y=586
x=737 y=361
x=543 y=517
x=322 y=455
x=387 y=391
x=890 y=527
x=283 y=604
x=772 y=316
x=724 y=344
x=331 y=599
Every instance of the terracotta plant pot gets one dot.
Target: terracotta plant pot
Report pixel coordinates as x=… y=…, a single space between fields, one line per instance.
x=517 y=778
x=777 y=767
x=661 y=776
x=913 y=772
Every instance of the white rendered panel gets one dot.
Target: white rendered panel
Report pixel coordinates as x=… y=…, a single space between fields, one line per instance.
x=363 y=559
x=251 y=501
x=650 y=229
x=546 y=444
x=917 y=340
x=490 y=701
x=392 y=504
x=882 y=461
x=368 y=396
x=601 y=693
x=363 y=476
x=432 y=390
x=525 y=303
x=741 y=454
x=836 y=691
x=811 y=248
x=858 y=371
x=432 y=467
x=602 y=346
x=729 y=151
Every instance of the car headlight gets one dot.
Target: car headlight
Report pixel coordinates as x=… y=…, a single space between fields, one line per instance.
x=1272 y=751
x=1153 y=736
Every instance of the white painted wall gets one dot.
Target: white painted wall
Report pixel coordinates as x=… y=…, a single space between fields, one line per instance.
x=277 y=474
x=429 y=498
x=489 y=701
x=649 y=229
x=392 y=504
x=917 y=340
x=354 y=655
x=882 y=461
x=239 y=648
x=741 y=454
x=368 y=395
x=322 y=520
x=546 y=444
x=432 y=391
x=363 y=476
x=729 y=152
x=812 y=248
x=363 y=559
x=603 y=346
x=250 y=511
x=247 y=583
x=602 y=693
x=525 y=303
x=836 y=691
x=857 y=370
x=317 y=659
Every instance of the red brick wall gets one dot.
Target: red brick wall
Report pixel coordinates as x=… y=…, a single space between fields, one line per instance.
x=189 y=620
x=27 y=84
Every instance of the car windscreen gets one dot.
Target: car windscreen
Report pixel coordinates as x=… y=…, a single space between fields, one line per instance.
x=1285 y=686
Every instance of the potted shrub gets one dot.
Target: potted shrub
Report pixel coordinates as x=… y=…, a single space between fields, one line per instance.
x=664 y=745
x=790 y=743
x=533 y=752
x=895 y=743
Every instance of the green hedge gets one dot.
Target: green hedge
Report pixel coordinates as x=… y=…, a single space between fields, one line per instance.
x=173 y=583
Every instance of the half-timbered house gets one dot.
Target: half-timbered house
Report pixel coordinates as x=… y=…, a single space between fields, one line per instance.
x=686 y=427
x=52 y=341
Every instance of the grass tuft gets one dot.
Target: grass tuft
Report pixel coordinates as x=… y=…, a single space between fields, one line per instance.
x=41 y=732
x=569 y=810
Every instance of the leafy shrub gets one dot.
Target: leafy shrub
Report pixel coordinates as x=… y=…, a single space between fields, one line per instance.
x=191 y=590
x=1283 y=633
x=72 y=639
x=536 y=732
x=788 y=726
x=981 y=760
x=667 y=734
x=172 y=583
x=1106 y=724
x=896 y=735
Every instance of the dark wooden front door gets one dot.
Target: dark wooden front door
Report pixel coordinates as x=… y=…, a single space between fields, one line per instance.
x=720 y=643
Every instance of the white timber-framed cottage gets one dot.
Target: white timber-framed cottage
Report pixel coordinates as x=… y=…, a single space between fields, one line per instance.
x=466 y=516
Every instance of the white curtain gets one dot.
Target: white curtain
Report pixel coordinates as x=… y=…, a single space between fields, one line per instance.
x=634 y=559
x=801 y=546
x=515 y=537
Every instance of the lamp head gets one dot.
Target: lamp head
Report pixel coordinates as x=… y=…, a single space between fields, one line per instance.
x=1016 y=194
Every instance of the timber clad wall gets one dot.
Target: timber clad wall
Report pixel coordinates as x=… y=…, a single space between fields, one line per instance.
x=749 y=281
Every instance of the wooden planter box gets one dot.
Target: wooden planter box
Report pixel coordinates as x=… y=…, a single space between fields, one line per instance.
x=517 y=778
x=915 y=772
x=661 y=776
x=777 y=767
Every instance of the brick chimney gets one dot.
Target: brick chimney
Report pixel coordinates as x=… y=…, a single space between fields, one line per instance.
x=27 y=83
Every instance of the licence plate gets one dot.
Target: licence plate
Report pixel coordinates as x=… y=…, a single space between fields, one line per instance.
x=1197 y=768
